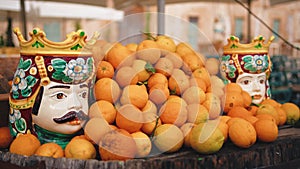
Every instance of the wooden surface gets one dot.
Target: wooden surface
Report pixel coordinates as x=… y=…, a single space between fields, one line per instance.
x=283 y=153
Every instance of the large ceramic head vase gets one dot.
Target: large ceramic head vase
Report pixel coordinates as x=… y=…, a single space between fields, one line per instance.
x=51 y=86
x=248 y=65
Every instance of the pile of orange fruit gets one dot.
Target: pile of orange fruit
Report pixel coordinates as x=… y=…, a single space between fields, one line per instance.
x=162 y=95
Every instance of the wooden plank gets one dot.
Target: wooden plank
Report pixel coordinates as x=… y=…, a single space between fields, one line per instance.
x=261 y=155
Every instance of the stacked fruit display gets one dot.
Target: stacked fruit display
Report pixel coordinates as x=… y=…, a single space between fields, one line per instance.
x=157 y=96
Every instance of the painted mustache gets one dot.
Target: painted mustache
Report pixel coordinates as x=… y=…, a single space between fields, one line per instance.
x=70 y=116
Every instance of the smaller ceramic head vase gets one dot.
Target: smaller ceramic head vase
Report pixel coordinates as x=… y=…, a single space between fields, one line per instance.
x=248 y=65
x=52 y=86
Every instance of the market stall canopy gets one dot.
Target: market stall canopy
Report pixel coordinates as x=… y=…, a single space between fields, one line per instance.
x=121 y=4
x=64 y=10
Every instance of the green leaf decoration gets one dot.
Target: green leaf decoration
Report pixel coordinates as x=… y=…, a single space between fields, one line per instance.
x=231 y=74
x=59 y=64
x=58 y=75
x=248 y=66
x=15 y=94
x=234 y=46
x=30 y=80
x=26 y=92
x=149 y=68
x=20 y=125
x=258 y=46
x=66 y=79
x=76 y=47
x=247 y=58
x=231 y=68
x=226 y=58
x=37 y=44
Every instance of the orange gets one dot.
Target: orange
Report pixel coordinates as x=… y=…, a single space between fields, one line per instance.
x=119 y=55
x=129 y=118
x=166 y=43
x=117 y=145
x=239 y=111
x=213 y=105
x=132 y=46
x=25 y=144
x=224 y=118
x=267 y=130
x=223 y=126
x=183 y=49
x=282 y=116
x=175 y=59
x=253 y=109
x=149 y=51
x=5 y=137
x=266 y=117
x=212 y=65
x=135 y=94
x=202 y=73
x=107 y=89
x=233 y=87
x=142 y=73
x=157 y=78
x=80 y=149
x=272 y=102
x=198 y=82
x=173 y=112
x=246 y=98
x=292 y=112
x=231 y=99
x=194 y=95
x=252 y=119
x=207 y=138
x=143 y=144
x=104 y=109
x=50 y=150
x=149 y=112
x=178 y=82
x=149 y=127
x=95 y=129
x=192 y=62
x=105 y=69
x=242 y=133
x=268 y=109
x=159 y=93
x=216 y=82
x=186 y=130
x=126 y=76
x=164 y=66
x=197 y=113
x=172 y=134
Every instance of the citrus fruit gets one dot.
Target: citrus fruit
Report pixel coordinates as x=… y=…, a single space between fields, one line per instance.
x=105 y=69
x=206 y=138
x=117 y=144
x=5 y=137
x=197 y=113
x=292 y=112
x=186 y=130
x=143 y=144
x=95 y=128
x=50 y=150
x=241 y=132
x=172 y=134
x=107 y=89
x=103 y=109
x=80 y=149
x=268 y=109
x=267 y=130
x=25 y=144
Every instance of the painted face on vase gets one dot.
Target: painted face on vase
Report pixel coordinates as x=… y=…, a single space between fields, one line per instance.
x=254 y=84
x=52 y=85
x=248 y=65
x=63 y=108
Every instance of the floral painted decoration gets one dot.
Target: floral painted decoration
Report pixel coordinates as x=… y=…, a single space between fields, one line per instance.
x=75 y=71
